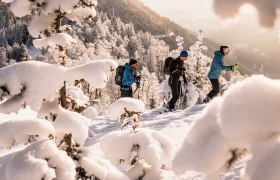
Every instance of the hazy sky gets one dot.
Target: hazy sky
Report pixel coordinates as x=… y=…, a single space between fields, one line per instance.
x=199 y=14
x=230 y=22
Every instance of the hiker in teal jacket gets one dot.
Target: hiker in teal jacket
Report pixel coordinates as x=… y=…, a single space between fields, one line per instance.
x=215 y=72
x=129 y=77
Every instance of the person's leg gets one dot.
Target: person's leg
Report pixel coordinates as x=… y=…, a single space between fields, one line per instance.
x=175 y=89
x=130 y=94
x=126 y=93
x=215 y=88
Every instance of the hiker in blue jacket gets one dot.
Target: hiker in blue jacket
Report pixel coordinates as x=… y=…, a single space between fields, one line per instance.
x=129 y=77
x=216 y=69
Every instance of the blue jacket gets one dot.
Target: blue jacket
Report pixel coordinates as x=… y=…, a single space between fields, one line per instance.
x=128 y=77
x=218 y=66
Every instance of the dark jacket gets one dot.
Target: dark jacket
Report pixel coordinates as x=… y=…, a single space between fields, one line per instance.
x=218 y=66
x=177 y=70
x=128 y=77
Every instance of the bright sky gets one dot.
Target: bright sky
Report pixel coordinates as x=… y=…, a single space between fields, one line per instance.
x=197 y=14
x=241 y=31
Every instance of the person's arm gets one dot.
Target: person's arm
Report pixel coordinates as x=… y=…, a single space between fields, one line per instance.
x=174 y=68
x=222 y=66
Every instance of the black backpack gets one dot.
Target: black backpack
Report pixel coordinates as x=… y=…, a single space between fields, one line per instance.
x=119 y=75
x=166 y=65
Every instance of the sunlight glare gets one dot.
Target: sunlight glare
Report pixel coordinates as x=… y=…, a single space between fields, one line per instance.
x=247 y=9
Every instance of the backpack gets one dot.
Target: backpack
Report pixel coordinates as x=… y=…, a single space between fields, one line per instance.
x=119 y=75
x=166 y=65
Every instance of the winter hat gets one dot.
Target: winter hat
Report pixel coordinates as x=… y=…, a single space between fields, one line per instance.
x=224 y=49
x=184 y=53
x=132 y=61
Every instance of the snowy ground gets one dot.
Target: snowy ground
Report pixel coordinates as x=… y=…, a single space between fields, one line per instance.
x=173 y=124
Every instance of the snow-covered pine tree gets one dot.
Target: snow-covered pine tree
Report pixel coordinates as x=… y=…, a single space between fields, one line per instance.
x=19 y=53
x=49 y=125
x=19 y=93
x=197 y=68
x=135 y=150
x=3 y=57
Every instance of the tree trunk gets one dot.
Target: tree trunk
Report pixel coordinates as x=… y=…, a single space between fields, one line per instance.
x=63 y=98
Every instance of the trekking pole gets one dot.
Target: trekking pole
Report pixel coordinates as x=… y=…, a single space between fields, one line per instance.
x=135 y=90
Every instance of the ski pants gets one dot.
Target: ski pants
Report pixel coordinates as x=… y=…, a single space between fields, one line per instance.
x=215 y=88
x=126 y=93
x=175 y=90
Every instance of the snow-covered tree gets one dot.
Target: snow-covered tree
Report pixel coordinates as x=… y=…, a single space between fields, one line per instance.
x=36 y=85
x=139 y=152
x=3 y=57
x=47 y=23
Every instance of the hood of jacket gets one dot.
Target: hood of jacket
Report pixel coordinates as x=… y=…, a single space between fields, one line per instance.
x=218 y=54
x=127 y=66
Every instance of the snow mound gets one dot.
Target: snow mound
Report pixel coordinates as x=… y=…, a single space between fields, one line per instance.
x=130 y=104
x=40 y=159
x=155 y=148
x=24 y=131
x=29 y=83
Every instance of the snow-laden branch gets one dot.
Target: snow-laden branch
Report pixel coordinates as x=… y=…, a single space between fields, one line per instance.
x=124 y=105
x=128 y=110
x=41 y=160
x=154 y=150
x=29 y=83
x=48 y=15
x=245 y=119
x=99 y=167
x=67 y=122
x=25 y=131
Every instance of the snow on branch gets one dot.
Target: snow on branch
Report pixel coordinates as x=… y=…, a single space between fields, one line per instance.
x=30 y=83
x=77 y=125
x=242 y=121
x=40 y=160
x=25 y=131
x=94 y=166
x=124 y=105
x=48 y=14
x=138 y=153
x=128 y=110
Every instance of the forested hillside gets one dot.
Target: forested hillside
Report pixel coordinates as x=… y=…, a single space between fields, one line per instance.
x=146 y=20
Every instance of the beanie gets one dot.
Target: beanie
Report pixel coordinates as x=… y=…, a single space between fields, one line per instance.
x=184 y=53
x=224 y=49
x=132 y=61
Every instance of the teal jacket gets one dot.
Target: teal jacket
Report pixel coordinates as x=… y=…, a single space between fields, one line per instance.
x=218 y=66
x=128 y=77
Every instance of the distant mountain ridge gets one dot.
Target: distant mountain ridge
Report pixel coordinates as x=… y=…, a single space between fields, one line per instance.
x=146 y=20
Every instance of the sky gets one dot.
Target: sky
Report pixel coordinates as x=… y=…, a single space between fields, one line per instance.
x=200 y=14
x=242 y=26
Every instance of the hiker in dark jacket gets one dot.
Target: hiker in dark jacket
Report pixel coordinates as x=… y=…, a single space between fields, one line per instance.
x=129 y=77
x=215 y=72
x=177 y=70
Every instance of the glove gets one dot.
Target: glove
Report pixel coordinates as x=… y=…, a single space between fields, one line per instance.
x=138 y=77
x=234 y=67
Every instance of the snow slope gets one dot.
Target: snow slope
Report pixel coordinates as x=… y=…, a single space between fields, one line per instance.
x=174 y=125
